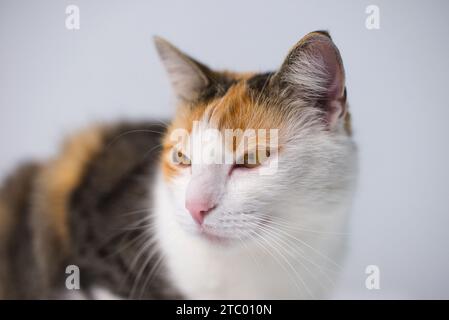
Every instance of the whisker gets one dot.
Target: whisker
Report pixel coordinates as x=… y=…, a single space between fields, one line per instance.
x=143 y=266
x=151 y=150
x=288 y=263
x=148 y=278
x=121 y=135
x=312 y=248
x=294 y=226
x=300 y=259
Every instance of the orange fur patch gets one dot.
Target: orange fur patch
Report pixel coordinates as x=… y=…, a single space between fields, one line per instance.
x=237 y=109
x=59 y=178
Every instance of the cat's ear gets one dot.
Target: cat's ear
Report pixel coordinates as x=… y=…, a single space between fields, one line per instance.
x=188 y=77
x=314 y=70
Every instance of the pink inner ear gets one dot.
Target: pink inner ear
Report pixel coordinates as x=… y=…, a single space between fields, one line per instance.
x=335 y=97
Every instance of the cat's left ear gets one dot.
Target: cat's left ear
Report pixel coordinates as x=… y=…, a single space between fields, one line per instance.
x=188 y=77
x=313 y=70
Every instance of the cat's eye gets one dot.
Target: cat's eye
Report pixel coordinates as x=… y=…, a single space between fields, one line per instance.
x=252 y=160
x=179 y=158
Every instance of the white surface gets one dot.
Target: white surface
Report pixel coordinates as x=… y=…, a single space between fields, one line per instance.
x=53 y=80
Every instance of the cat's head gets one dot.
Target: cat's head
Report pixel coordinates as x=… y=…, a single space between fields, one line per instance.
x=247 y=151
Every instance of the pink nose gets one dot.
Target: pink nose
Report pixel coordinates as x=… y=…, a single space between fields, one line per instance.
x=199 y=209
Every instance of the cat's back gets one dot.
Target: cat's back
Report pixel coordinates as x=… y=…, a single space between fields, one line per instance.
x=73 y=208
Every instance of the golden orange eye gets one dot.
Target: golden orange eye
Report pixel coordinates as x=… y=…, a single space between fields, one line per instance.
x=179 y=158
x=250 y=160
x=253 y=159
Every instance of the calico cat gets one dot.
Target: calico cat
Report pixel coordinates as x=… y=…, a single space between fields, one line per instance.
x=143 y=216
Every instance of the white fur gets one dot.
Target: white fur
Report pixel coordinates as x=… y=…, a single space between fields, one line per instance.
x=307 y=199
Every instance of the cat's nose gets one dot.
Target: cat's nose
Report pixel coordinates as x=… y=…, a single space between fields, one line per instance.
x=199 y=208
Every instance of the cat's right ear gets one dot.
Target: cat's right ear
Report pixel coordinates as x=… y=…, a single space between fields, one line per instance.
x=187 y=76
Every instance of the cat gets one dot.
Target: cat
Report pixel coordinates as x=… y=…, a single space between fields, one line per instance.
x=143 y=216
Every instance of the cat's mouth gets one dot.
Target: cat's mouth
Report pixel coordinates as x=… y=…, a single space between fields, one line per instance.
x=227 y=236
x=228 y=230
x=212 y=236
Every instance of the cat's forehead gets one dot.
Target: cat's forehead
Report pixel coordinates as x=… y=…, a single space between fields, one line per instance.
x=242 y=101
x=242 y=107
x=254 y=84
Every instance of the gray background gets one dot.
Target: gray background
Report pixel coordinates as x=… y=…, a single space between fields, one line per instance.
x=53 y=80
